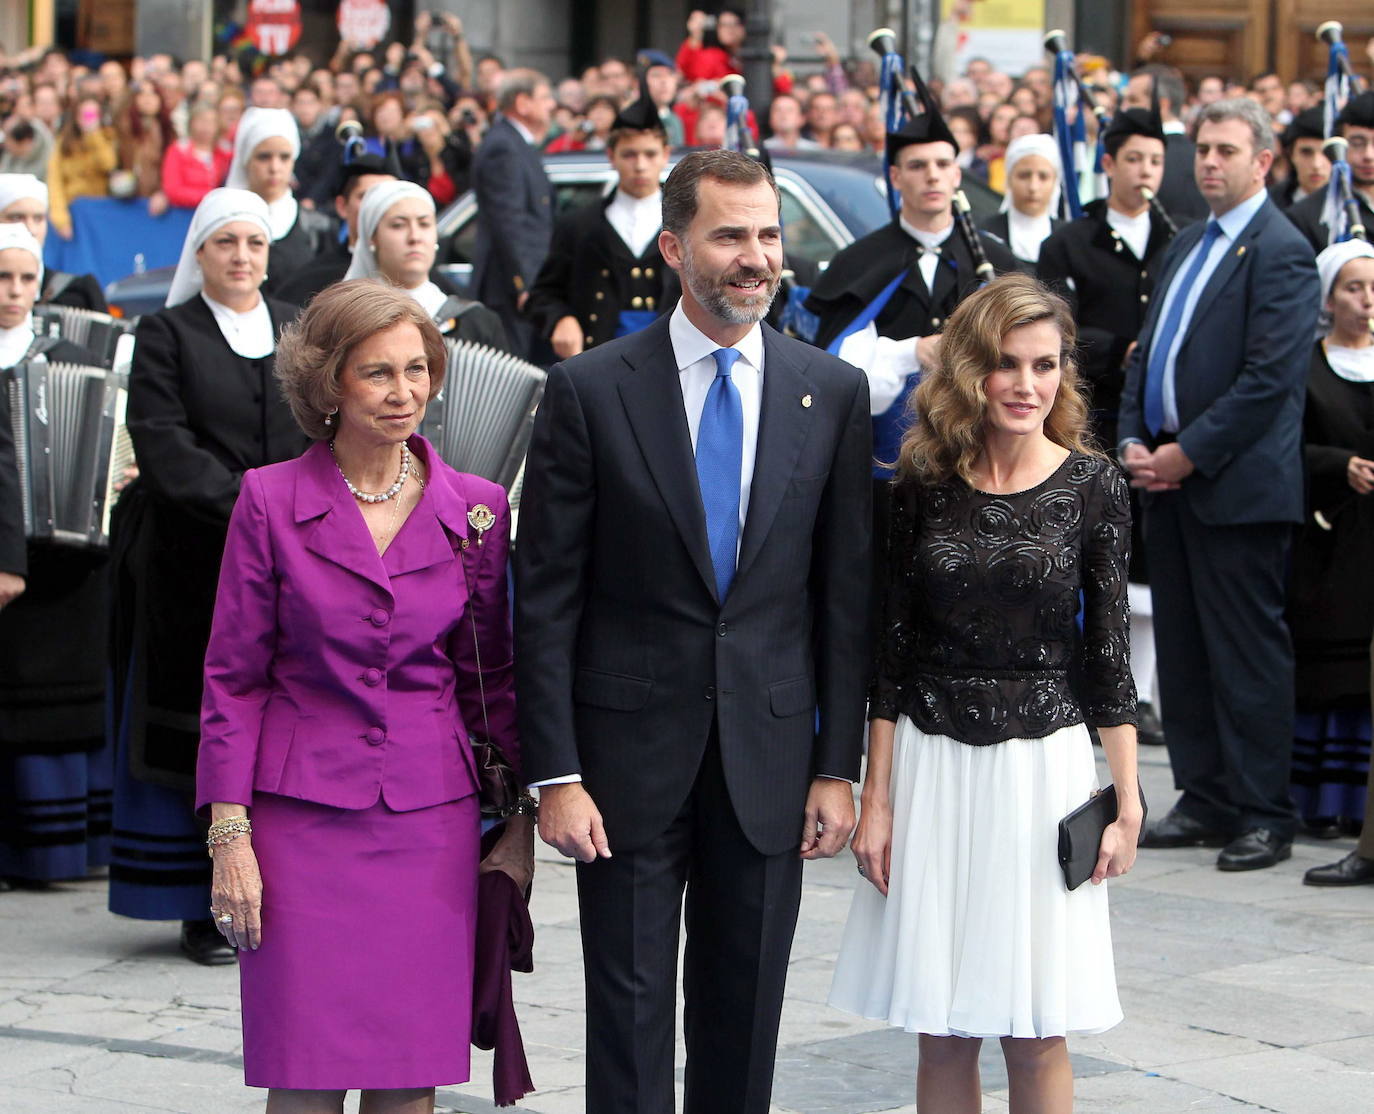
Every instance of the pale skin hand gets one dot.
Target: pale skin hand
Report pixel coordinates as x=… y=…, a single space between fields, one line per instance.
x=928 y=350
x=11 y=588
x=1158 y=470
x=570 y=821
x=829 y=818
x=514 y=852
x=567 y=338
x=872 y=844
x=236 y=885
x=1116 y=853
x=1359 y=473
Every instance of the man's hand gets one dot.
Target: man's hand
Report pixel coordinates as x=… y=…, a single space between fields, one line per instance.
x=1172 y=465
x=1144 y=467
x=829 y=818
x=569 y=821
x=928 y=350
x=1359 y=473
x=696 y=26
x=567 y=338
x=11 y=588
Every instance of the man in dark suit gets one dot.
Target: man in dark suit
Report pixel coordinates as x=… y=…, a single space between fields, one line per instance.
x=1356 y=123
x=1211 y=426
x=692 y=616
x=1178 y=192
x=514 y=203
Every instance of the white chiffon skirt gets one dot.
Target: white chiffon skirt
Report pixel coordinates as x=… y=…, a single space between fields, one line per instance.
x=978 y=936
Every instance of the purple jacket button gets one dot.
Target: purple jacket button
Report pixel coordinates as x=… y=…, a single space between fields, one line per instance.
x=380 y=617
x=372 y=677
x=376 y=736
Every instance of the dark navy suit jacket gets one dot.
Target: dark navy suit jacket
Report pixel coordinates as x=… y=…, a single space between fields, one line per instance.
x=514 y=215
x=1241 y=373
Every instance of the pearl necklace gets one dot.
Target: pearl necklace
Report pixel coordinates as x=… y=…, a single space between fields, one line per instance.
x=383 y=496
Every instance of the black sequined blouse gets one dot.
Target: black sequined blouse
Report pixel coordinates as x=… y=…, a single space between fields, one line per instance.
x=979 y=637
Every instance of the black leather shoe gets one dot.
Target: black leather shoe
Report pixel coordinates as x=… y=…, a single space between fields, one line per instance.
x=1256 y=849
x=1353 y=870
x=201 y=943
x=1149 y=731
x=1178 y=830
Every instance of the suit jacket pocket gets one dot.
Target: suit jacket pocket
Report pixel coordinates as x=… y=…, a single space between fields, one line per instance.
x=792 y=698
x=616 y=691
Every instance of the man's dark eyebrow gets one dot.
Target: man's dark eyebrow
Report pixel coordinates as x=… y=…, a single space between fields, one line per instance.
x=739 y=229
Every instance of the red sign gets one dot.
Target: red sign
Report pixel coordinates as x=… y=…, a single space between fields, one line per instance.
x=363 y=23
x=275 y=25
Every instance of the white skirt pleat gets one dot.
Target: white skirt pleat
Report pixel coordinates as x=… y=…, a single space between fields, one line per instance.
x=978 y=936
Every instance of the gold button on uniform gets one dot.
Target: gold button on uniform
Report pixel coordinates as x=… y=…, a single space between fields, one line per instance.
x=635 y=272
x=935 y=321
x=1144 y=298
x=636 y=302
x=648 y=303
x=600 y=295
x=592 y=316
x=605 y=273
x=648 y=272
x=588 y=341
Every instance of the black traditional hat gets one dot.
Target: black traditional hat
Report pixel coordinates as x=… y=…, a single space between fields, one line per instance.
x=1310 y=123
x=1359 y=111
x=927 y=127
x=642 y=116
x=366 y=164
x=1136 y=121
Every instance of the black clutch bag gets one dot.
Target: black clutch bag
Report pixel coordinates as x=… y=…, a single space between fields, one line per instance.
x=1080 y=835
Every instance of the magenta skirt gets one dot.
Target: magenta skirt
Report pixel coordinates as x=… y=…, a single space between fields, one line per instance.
x=364 y=976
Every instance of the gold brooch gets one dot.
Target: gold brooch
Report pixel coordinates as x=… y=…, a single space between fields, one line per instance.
x=481 y=519
x=806 y=401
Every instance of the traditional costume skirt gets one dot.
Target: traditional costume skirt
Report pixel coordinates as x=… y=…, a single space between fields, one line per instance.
x=978 y=936
x=364 y=976
x=1331 y=755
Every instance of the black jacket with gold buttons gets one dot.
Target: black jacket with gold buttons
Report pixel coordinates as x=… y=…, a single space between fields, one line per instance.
x=591 y=274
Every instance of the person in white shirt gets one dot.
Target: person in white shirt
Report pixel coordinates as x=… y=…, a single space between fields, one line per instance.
x=604 y=276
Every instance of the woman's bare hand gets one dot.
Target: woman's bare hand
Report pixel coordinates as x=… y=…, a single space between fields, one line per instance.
x=872 y=843
x=236 y=889
x=1116 y=853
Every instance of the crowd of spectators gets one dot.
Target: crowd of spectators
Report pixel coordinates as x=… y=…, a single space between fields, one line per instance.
x=163 y=130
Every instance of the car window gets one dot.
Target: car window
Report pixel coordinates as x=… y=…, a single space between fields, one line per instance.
x=802 y=237
x=572 y=195
x=462 y=247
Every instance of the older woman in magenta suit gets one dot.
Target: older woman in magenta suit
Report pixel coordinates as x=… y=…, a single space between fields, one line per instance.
x=358 y=592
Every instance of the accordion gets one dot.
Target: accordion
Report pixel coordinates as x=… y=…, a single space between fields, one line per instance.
x=98 y=332
x=482 y=419
x=72 y=448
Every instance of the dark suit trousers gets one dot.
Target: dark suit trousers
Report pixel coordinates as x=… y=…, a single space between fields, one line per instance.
x=1225 y=664
x=741 y=913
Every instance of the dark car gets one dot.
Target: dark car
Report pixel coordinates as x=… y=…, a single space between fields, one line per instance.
x=829 y=200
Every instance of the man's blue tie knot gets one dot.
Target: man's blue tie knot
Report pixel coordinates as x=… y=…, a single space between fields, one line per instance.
x=725 y=361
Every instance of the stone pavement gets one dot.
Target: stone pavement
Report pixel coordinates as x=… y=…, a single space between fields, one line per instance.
x=1242 y=992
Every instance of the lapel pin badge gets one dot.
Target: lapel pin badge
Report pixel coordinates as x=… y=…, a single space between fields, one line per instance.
x=1240 y=251
x=481 y=519
x=806 y=401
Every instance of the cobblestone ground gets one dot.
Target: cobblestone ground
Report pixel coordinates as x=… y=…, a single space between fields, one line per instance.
x=1244 y=992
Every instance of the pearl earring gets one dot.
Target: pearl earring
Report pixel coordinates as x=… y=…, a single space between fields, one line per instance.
x=329 y=418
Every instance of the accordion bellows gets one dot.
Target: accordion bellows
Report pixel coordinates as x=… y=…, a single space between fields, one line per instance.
x=482 y=420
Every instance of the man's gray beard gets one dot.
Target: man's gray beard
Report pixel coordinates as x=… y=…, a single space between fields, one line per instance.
x=717 y=302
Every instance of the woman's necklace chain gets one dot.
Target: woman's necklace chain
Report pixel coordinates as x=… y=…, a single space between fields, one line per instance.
x=377 y=497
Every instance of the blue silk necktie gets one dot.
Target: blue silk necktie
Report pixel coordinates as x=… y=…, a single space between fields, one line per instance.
x=1164 y=339
x=720 y=452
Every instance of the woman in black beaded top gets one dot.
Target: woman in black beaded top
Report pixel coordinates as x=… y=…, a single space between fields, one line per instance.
x=1002 y=520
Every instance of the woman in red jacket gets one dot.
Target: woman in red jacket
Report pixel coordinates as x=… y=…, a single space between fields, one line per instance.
x=197 y=164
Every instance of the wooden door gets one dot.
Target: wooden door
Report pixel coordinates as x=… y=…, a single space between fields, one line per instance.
x=1226 y=37
x=1297 y=51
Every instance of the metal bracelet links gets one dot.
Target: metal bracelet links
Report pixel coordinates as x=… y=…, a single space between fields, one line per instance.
x=525 y=805
x=226 y=831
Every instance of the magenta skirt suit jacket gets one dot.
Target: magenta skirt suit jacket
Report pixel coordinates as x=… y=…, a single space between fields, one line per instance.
x=340 y=688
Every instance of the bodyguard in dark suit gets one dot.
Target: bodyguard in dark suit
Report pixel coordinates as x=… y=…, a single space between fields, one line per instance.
x=692 y=627
x=1356 y=123
x=514 y=203
x=1211 y=425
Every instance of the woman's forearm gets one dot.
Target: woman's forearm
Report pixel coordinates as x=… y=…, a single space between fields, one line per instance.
x=1119 y=744
x=878 y=774
x=223 y=810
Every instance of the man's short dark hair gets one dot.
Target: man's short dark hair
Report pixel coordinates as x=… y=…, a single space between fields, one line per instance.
x=681 y=193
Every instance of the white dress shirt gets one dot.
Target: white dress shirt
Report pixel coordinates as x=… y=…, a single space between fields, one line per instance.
x=1135 y=231
x=249 y=334
x=696 y=367
x=1232 y=223
x=887 y=362
x=636 y=220
x=525 y=133
x=430 y=297
x=1026 y=234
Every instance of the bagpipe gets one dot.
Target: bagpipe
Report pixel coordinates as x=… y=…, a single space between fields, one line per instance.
x=1071 y=135
x=1341 y=212
x=1157 y=208
x=899 y=105
x=349 y=133
x=739 y=136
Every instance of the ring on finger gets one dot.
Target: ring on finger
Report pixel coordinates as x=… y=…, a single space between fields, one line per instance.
x=862 y=873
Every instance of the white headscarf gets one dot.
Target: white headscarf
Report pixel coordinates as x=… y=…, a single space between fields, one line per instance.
x=217 y=208
x=1354 y=364
x=255 y=125
x=1331 y=260
x=1037 y=144
x=15 y=342
x=376 y=201
x=21 y=187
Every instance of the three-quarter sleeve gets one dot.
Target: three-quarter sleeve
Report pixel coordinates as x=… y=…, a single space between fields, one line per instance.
x=894 y=555
x=239 y=656
x=1106 y=688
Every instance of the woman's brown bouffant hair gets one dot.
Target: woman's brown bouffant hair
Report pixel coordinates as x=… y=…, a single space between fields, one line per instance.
x=949 y=407
x=314 y=349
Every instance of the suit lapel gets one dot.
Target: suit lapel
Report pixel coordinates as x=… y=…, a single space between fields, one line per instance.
x=426 y=538
x=1230 y=263
x=784 y=424
x=652 y=398
x=335 y=529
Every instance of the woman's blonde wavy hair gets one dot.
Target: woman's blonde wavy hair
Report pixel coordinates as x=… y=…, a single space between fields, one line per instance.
x=948 y=410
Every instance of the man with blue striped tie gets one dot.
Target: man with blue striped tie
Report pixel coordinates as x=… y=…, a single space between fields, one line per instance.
x=1211 y=430
x=692 y=612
